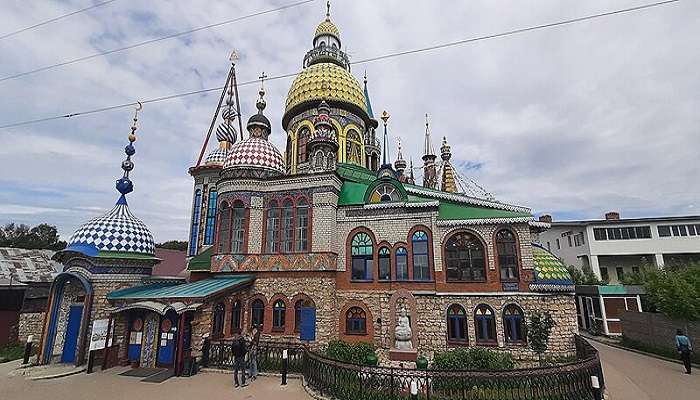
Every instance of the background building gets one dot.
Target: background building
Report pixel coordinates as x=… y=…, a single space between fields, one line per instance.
x=616 y=246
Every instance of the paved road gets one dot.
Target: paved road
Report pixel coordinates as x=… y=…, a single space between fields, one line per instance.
x=110 y=386
x=632 y=376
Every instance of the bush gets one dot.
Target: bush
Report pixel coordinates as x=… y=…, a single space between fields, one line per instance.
x=675 y=290
x=354 y=353
x=12 y=351
x=476 y=358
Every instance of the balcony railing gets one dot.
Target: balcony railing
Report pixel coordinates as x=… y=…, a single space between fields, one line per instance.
x=326 y=53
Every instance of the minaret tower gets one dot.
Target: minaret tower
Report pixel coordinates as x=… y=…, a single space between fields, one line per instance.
x=400 y=163
x=429 y=170
x=323 y=143
x=447 y=178
x=411 y=179
x=372 y=149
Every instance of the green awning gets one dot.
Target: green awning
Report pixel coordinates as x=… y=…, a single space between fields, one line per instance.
x=453 y=211
x=202 y=261
x=193 y=290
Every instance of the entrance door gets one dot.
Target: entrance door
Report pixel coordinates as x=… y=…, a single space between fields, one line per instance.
x=135 y=338
x=308 y=324
x=72 y=330
x=168 y=337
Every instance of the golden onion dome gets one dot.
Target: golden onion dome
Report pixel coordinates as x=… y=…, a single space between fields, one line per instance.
x=326 y=27
x=325 y=81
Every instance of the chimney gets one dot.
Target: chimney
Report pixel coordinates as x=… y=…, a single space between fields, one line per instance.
x=546 y=218
x=612 y=215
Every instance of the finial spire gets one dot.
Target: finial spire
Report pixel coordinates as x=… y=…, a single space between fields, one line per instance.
x=260 y=104
x=124 y=184
x=328 y=10
x=385 y=117
x=428 y=146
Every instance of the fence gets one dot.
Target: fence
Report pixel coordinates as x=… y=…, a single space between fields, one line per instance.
x=343 y=381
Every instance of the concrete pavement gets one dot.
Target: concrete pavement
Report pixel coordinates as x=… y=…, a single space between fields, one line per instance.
x=632 y=376
x=108 y=385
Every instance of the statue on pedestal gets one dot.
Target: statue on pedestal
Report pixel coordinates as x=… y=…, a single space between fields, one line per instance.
x=402 y=333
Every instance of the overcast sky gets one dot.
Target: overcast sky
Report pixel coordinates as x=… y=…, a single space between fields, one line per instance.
x=573 y=121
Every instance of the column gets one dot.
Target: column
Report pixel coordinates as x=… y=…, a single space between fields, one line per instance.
x=604 y=315
x=659 y=260
x=595 y=266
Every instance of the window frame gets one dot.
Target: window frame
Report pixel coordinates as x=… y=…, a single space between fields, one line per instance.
x=384 y=257
x=279 y=314
x=356 y=313
x=361 y=256
x=210 y=221
x=223 y=236
x=450 y=259
x=514 y=322
x=502 y=257
x=196 y=216
x=461 y=320
x=403 y=253
x=489 y=318
x=237 y=225
x=218 y=320
x=254 y=311
x=420 y=237
x=236 y=314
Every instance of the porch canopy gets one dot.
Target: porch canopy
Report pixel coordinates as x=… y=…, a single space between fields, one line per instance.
x=164 y=296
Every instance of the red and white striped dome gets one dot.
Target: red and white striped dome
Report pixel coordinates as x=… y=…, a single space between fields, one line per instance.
x=255 y=152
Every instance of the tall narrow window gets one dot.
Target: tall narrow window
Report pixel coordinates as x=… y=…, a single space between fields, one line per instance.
x=287 y=227
x=485 y=324
x=211 y=217
x=356 y=321
x=196 y=210
x=272 y=228
x=302 y=226
x=513 y=324
x=257 y=313
x=361 y=248
x=236 y=317
x=288 y=152
x=507 y=255
x=278 y=315
x=384 y=264
x=302 y=141
x=224 y=227
x=421 y=264
x=456 y=324
x=238 y=227
x=401 y=264
x=218 y=326
x=465 y=258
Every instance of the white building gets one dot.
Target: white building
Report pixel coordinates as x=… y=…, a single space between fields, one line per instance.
x=616 y=246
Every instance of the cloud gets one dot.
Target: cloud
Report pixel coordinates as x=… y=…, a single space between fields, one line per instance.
x=574 y=120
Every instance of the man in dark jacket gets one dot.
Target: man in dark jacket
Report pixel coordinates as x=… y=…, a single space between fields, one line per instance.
x=239 y=351
x=685 y=348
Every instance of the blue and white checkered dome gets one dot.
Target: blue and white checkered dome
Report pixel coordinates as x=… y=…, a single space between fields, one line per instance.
x=118 y=230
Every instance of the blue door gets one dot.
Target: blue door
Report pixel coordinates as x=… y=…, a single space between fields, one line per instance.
x=135 y=338
x=307 y=330
x=75 y=314
x=166 y=346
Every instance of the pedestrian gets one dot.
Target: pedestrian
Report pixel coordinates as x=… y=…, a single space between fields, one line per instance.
x=239 y=352
x=685 y=349
x=253 y=353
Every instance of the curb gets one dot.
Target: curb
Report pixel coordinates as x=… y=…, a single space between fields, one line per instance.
x=644 y=353
x=54 y=376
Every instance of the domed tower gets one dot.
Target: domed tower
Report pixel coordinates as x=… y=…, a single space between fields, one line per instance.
x=400 y=164
x=326 y=77
x=447 y=177
x=255 y=157
x=429 y=168
x=323 y=144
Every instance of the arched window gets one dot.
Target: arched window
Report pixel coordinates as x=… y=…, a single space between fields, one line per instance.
x=384 y=264
x=421 y=263
x=302 y=141
x=278 y=313
x=257 y=313
x=513 y=326
x=238 y=227
x=354 y=147
x=272 y=228
x=465 y=258
x=298 y=305
x=507 y=255
x=236 y=317
x=218 y=327
x=288 y=152
x=356 y=321
x=401 y=264
x=224 y=227
x=196 y=210
x=456 y=324
x=302 y=226
x=361 y=248
x=287 y=227
x=484 y=324
x=211 y=218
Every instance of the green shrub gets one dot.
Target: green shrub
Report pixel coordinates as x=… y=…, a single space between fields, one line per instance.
x=473 y=358
x=12 y=351
x=355 y=353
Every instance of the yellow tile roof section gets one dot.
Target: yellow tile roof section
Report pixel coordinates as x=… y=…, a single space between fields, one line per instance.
x=326 y=27
x=325 y=81
x=449 y=183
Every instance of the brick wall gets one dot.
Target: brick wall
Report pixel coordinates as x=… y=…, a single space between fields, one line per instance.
x=656 y=329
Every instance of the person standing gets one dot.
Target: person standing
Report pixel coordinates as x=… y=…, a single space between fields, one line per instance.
x=685 y=348
x=239 y=351
x=253 y=353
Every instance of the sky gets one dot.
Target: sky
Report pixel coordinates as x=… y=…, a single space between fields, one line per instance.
x=572 y=121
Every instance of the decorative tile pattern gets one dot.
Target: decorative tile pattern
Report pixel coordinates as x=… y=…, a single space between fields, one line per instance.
x=216 y=157
x=550 y=273
x=325 y=81
x=118 y=230
x=274 y=262
x=255 y=153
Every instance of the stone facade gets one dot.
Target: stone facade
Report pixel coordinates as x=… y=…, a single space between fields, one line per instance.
x=30 y=324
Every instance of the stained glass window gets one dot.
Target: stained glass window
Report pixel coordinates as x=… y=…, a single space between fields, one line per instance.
x=421 y=264
x=196 y=210
x=507 y=255
x=362 y=250
x=465 y=258
x=211 y=218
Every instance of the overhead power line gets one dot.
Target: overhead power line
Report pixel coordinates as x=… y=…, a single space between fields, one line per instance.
x=104 y=3
x=363 y=61
x=146 y=42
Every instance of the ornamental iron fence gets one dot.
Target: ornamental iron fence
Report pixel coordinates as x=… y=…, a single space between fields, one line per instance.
x=343 y=381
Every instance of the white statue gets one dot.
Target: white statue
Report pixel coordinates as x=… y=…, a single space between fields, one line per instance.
x=402 y=333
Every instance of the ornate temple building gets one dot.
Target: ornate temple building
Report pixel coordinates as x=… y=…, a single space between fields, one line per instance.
x=328 y=239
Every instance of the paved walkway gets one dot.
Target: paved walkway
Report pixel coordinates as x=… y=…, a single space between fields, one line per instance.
x=633 y=376
x=109 y=385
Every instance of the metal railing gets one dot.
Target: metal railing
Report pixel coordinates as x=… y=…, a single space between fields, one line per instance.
x=331 y=378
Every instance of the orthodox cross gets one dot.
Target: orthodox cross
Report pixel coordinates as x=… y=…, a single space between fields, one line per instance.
x=328 y=9
x=262 y=79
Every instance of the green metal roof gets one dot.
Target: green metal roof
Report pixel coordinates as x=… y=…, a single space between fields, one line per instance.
x=202 y=261
x=124 y=255
x=451 y=211
x=550 y=273
x=193 y=290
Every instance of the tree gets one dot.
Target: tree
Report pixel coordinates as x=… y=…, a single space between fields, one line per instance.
x=539 y=327
x=173 y=245
x=675 y=290
x=583 y=276
x=42 y=236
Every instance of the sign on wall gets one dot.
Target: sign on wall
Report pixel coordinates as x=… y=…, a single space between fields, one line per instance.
x=98 y=339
